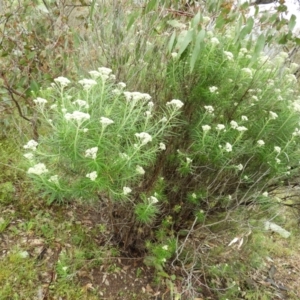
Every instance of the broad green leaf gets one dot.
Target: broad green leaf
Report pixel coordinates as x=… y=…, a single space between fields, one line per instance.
x=197 y=48
x=196 y=19
x=150 y=6
x=260 y=44
x=171 y=42
x=247 y=29
x=292 y=22
x=186 y=41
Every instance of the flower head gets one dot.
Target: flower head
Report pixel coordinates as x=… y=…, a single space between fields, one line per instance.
x=213 y=89
x=240 y=167
x=241 y=128
x=273 y=115
x=209 y=109
x=228 y=147
x=105 y=71
x=140 y=170
x=219 y=127
x=54 y=179
x=77 y=116
x=126 y=190
x=162 y=146
x=93 y=175
x=145 y=137
x=234 y=124
x=38 y=169
x=260 y=143
x=228 y=55
x=174 y=54
x=91 y=153
x=81 y=103
x=214 y=41
x=121 y=85
x=40 y=101
x=136 y=96
x=247 y=72
x=87 y=83
x=175 y=103
x=152 y=200
x=95 y=74
x=31 y=145
x=244 y=118
x=106 y=121
x=277 y=149
x=63 y=81
x=206 y=128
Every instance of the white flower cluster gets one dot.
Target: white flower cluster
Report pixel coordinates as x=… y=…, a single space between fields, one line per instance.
x=229 y=55
x=140 y=170
x=106 y=121
x=235 y=125
x=77 y=116
x=38 y=169
x=136 y=96
x=152 y=200
x=209 y=109
x=228 y=147
x=81 y=103
x=214 y=41
x=247 y=72
x=31 y=145
x=175 y=103
x=277 y=149
x=54 y=179
x=260 y=143
x=213 y=89
x=126 y=190
x=40 y=101
x=91 y=153
x=162 y=146
x=273 y=115
x=145 y=137
x=63 y=81
x=92 y=176
x=87 y=83
x=296 y=132
x=220 y=127
x=206 y=128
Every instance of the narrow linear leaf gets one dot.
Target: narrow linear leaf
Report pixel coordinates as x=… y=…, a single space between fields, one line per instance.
x=171 y=42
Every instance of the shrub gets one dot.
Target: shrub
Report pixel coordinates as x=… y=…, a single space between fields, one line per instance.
x=170 y=163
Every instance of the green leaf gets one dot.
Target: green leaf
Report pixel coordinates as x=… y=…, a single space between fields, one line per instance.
x=132 y=18
x=171 y=42
x=150 y=6
x=186 y=41
x=292 y=22
x=196 y=20
x=197 y=48
x=247 y=29
x=260 y=44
